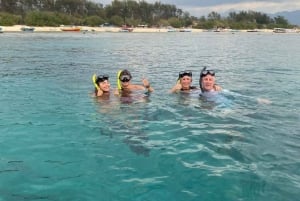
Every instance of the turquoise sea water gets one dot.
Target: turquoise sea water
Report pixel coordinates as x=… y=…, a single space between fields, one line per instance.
x=58 y=143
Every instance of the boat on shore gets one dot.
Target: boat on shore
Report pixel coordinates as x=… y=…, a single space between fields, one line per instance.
x=185 y=30
x=171 y=29
x=126 y=29
x=279 y=30
x=1 y=30
x=70 y=28
x=27 y=29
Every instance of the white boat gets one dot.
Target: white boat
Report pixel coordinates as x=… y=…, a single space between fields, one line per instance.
x=185 y=30
x=219 y=30
x=125 y=28
x=1 y=30
x=279 y=30
x=171 y=29
x=27 y=29
x=70 y=28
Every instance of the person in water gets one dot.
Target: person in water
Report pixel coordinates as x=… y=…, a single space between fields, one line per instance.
x=125 y=85
x=207 y=81
x=102 y=85
x=184 y=82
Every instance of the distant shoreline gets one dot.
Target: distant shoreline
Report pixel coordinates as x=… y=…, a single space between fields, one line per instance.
x=18 y=28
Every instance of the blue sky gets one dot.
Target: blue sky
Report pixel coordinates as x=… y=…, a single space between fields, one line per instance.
x=200 y=8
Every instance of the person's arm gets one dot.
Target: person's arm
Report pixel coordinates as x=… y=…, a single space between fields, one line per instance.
x=117 y=92
x=99 y=92
x=149 y=88
x=217 y=87
x=176 y=88
x=147 y=85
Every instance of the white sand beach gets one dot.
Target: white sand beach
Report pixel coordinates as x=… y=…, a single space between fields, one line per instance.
x=18 y=28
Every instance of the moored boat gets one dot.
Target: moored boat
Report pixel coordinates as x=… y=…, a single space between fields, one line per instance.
x=279 y=30
x=126 y=29
x=171 y=29
x=72 y=28
x=28 y=29
x=185 y=30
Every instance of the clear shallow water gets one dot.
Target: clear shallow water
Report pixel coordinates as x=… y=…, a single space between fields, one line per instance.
x=58 y=143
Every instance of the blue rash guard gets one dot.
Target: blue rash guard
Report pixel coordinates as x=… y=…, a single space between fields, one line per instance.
x=215 y=97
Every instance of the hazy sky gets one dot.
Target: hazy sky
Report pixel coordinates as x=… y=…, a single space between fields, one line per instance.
x=203 y=7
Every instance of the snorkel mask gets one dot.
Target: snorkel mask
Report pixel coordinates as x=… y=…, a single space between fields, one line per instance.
x=97 y=79
x=125 y=78
x=101 y=78
x=205 y=72
x=185 y=73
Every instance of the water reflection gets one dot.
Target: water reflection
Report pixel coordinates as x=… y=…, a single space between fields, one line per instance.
x=124 y=117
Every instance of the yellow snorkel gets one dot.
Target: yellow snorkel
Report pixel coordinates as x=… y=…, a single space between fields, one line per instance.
x=118 y=80
x=94 y=78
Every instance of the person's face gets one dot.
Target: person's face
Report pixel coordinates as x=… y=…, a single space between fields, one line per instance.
x=185 y=82
x=104 y=86
x=125 y=84
x=208 y=82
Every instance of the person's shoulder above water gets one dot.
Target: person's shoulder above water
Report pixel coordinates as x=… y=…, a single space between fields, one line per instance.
x=184 y=82
x=124 y=78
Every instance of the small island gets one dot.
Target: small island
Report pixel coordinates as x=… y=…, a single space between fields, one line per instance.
x=129 y=16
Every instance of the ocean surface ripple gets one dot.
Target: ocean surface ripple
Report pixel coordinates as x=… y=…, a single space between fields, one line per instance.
x=59 y=143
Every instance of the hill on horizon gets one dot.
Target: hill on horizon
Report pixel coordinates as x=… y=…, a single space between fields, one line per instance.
x=292 y=16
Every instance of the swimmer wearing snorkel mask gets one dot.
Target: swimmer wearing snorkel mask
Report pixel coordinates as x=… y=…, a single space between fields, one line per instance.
x=207 y=81
x=102 y=85
x=184 y=82
x=124 y=83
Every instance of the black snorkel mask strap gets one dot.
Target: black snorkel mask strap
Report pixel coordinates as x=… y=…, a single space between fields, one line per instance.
x=200 y=80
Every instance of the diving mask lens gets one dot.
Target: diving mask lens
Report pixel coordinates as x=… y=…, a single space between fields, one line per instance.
x=125 y=78
x=185 y=73
x=102 y=78
x=206 y=72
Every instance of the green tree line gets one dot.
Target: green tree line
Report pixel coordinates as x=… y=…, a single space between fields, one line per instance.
x=129 y=12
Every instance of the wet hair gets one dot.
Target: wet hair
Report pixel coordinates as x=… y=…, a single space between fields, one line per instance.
x=125 y=72
x=101 y=78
